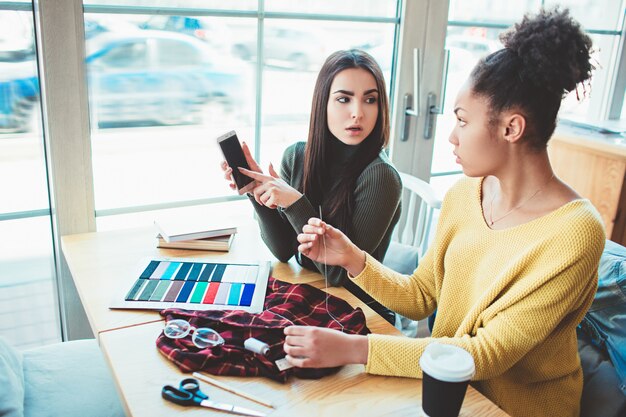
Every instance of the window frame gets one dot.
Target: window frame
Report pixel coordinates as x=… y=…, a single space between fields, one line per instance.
x=60 y=44
x=60 y=47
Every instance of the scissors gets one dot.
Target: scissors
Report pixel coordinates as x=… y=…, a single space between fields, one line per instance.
x=189 y=393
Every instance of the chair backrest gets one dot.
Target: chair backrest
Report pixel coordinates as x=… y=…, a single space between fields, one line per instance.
x=418 y=223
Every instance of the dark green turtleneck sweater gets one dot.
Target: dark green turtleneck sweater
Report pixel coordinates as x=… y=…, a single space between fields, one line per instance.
x=377 y=196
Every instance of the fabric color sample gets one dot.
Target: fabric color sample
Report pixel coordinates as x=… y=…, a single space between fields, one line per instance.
x=285 y=304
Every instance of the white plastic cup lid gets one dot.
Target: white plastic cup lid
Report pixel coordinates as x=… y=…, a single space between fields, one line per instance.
x=447 y=363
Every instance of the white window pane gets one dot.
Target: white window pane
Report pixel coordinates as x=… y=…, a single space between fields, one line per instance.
x=19 y=85
x=196 y=4
x=583 y=103
x=240 y=211
x=22 y=165
x=593 y=14
x=443 y=159
x=288 y=88
x=498 y=11
x=442 y=184
x=375 y=8
x=27 y=295
x=154 y=142
x=468 y=44
x=160 y=93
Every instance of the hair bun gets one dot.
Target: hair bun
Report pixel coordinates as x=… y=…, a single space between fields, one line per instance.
x=554 y=50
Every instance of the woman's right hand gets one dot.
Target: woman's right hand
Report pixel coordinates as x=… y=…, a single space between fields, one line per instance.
x=326 y=244
x=228 y=171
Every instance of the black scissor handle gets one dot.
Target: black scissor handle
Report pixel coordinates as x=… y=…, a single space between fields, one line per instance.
x=179 y=396
x=193 y=386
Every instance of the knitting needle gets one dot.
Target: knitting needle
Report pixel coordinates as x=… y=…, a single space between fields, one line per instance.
x=228 y=388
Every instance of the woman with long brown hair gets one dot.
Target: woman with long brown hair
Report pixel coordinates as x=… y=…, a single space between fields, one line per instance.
x=342 y=169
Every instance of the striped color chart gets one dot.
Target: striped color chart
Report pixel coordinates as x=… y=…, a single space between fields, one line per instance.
x=195 y=283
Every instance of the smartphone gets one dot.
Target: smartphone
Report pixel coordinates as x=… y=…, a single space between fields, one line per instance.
x=233 y=153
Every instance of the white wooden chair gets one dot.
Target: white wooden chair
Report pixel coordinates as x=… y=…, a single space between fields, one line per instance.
x=418 y=225
x=413 y=234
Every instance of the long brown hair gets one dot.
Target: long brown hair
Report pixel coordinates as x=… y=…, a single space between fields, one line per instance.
x=339 y=207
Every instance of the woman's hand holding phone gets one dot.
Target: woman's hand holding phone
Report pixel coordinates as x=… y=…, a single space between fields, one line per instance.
x=228 y=171
x=271 y=191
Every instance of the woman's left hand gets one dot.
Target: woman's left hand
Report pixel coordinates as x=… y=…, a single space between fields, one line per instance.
x=318 y=347
x=272 y=191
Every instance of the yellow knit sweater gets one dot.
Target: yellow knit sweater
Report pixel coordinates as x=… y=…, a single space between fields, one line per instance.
x=512 y=298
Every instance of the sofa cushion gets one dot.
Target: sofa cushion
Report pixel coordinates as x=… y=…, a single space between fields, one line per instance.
x=69 y=379
x=11 y=381
x=401 y=258
x=605 y=322
x=601 y=394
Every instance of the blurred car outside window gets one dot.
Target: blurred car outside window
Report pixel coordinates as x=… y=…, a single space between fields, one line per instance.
x=207 y=29
x=132 y=54
x=286 y=47
x=138 y=77
x=173 y=53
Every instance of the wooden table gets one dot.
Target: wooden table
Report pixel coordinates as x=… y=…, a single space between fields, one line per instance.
x=102 y=263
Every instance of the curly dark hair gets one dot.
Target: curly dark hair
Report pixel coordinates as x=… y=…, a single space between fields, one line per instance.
x=544 y=57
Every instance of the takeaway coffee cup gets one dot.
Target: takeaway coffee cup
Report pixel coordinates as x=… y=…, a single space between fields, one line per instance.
x=447 y=371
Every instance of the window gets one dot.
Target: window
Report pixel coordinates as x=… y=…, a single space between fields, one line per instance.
x=190 y=70
x=154 y=125
x=291 y=70
x=28 y=304
x=471 y=35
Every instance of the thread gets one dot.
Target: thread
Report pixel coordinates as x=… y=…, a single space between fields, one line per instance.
x=256 y=346
x=326 y=276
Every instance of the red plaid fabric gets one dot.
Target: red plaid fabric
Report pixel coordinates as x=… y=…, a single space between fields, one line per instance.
x=285 y=304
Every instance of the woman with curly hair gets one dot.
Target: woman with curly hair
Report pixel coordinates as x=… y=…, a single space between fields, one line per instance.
x=513 y=266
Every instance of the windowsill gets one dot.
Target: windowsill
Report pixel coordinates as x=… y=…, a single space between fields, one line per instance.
x=605 y=127
x=239 y=209
x=609 y=143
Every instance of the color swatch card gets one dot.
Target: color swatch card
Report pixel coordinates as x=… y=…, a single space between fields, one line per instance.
x=196 y=285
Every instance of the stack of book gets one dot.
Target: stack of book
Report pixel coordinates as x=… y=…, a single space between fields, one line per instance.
x=184 y=234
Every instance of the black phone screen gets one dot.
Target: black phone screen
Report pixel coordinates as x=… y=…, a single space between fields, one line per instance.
x=231 y=148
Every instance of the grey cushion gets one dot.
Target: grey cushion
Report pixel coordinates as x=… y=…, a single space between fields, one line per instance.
x=69 y=379
x=602 y=339
x=601 y=394
x=11 y=381
x=401 y=258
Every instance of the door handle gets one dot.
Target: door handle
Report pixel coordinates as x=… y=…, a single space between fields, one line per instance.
x=431 y=101
x=410 y=110
x=433 y=110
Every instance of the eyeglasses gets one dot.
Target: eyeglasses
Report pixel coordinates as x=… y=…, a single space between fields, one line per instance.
x=202 y=337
